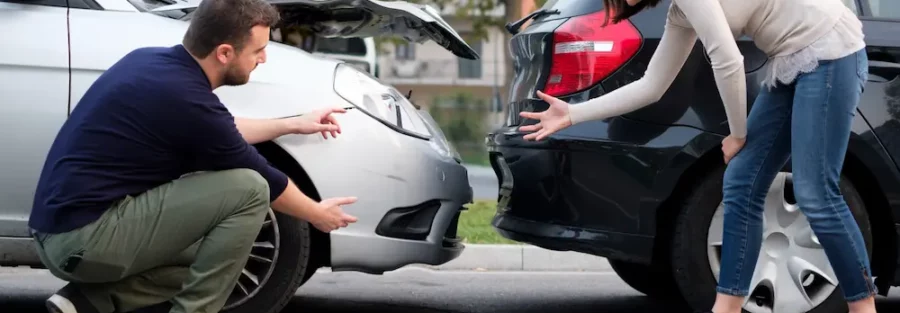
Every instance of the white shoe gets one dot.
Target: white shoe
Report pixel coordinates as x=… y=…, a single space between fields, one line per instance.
x=69 y=300
x=59 y=304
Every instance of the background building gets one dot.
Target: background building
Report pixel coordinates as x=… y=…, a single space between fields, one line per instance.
x=466 y=96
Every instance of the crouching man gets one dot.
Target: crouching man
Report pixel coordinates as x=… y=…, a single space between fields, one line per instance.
x=152 y=193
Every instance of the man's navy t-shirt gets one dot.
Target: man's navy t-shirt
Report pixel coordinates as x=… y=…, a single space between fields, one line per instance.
x=149 y=119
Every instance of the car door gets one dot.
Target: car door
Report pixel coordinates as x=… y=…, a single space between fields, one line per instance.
x=880 y=103
x=34 y=95
x=365 y=18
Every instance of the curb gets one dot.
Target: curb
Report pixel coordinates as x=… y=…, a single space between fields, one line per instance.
x=481 y=257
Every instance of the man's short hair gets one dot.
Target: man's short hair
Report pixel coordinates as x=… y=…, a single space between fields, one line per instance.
x=217 y=22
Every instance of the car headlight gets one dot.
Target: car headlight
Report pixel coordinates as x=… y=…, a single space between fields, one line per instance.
x=380 y=101
x=439 y=141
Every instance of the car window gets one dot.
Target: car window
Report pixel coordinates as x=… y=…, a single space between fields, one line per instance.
x=147 y=5
x=49 y=3
x=852 y=5
x=348 y=46
x=888 y=9
x=569 y=8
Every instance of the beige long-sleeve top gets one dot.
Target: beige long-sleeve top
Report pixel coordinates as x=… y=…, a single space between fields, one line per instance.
x=795 y=34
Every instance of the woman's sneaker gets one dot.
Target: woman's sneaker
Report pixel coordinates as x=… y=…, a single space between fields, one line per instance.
x=70 y=300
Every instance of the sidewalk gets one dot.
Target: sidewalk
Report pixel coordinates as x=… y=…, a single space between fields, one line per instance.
x=522 y=258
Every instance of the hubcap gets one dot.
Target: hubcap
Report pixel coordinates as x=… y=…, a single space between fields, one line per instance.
x=792 y=272
x=260 y=263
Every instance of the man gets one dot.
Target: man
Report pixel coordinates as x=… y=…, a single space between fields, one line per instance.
x=152 y=191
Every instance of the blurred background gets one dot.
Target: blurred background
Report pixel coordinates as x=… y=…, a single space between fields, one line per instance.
x=464 y=96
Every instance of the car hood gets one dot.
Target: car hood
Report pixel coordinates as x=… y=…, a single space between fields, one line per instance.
x=364 y=18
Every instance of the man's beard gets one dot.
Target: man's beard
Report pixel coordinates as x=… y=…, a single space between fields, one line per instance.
x=234 y=78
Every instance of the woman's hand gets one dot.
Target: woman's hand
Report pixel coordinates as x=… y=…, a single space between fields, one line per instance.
x=731 y=146
x=552 y=120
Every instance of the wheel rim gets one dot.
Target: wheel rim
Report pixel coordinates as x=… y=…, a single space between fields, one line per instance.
x=792 y=268
x=260 y=263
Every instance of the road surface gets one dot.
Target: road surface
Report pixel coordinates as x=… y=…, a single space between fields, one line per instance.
x=483 y=182
x=415 y=290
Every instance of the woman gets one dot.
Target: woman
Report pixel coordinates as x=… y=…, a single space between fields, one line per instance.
x=817 y=70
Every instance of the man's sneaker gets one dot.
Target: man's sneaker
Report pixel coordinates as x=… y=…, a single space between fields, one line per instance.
x=70 y=300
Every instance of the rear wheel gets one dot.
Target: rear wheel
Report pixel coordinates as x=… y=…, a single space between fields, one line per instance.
x=792 y=267
x=652 y=280
x=275 y=269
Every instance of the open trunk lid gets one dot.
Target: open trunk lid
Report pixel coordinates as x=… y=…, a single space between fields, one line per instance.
x=363 y=18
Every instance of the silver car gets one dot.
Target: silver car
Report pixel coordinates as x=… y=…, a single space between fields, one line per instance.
x=392 y=156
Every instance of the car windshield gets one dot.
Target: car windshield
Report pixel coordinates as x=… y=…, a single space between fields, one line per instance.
x=348 y=46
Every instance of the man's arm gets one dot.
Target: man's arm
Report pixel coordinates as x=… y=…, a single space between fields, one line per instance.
x=216 y=144
x=261 y=130
x=326 y=215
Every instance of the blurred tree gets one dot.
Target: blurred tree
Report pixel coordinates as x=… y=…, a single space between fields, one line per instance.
x=462 y=118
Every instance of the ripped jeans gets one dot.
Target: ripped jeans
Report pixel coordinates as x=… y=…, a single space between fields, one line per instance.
x=809 y=123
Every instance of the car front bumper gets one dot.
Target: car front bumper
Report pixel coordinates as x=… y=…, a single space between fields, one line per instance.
x=418 y=225
x=409 y=195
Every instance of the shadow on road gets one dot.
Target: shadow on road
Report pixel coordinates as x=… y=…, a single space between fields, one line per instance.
x=322 y=305
x=308 y=304
x=619 y=304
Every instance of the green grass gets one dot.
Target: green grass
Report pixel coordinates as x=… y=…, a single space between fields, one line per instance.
x=475 y=224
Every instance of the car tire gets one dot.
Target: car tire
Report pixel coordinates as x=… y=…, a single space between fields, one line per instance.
x=652 y=280
x=290 y=268
x=691 y=259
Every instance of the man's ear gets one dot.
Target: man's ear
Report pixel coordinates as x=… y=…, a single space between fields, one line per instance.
x=224 y=53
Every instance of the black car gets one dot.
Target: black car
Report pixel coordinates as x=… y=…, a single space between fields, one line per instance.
x=644 y=189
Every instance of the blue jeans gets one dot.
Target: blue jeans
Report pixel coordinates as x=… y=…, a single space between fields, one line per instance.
x=807 y=122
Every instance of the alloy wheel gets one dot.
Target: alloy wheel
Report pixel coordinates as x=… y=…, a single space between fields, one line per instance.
x=260 y=264
x=792 y=271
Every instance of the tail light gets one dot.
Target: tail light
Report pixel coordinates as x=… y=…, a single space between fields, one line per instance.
x=584 y=52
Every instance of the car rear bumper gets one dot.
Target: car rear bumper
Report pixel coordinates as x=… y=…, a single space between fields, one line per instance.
x=596 y=194
x=517 y=217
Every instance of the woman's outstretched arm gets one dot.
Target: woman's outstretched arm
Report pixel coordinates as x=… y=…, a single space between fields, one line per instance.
x=674 y=47
x=688 y=20
x=708 y=19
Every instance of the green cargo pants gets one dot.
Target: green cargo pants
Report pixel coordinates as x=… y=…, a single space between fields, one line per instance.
x=185 y=241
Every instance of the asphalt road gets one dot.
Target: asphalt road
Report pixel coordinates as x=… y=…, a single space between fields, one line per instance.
x=424 y=291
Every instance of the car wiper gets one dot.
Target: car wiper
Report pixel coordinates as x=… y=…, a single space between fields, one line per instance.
x=513 y=28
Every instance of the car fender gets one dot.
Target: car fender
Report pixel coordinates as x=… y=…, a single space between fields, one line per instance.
x=290 y=83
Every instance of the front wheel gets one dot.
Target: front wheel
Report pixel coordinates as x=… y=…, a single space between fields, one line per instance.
x=792 y=270
x=275 y=269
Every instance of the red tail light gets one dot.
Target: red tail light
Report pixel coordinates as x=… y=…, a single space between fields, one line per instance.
x=584 y=52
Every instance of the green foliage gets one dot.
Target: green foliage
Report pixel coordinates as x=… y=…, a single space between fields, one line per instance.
x=463 y=118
